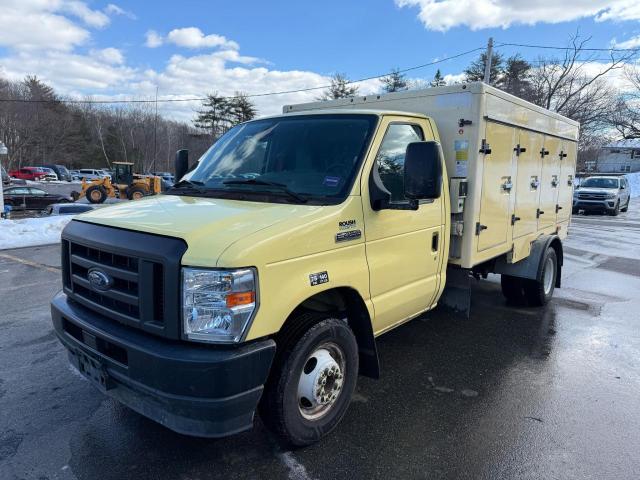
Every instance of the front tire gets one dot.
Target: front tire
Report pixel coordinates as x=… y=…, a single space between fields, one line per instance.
x=616 y=210
x=135 y=193
x=626 y=207
x=539 y=292
x=312 y=381
x=96 y=194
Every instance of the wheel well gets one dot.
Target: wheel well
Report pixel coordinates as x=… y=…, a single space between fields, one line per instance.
x=344 y=302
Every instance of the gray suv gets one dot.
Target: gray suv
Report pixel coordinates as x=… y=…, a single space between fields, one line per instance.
x=603 y=194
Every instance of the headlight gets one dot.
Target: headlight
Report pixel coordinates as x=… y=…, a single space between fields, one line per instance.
x=217 y=304
x=612 y=195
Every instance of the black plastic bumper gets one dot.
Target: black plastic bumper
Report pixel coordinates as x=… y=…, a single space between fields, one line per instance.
x=194 y=389
x=600 y=206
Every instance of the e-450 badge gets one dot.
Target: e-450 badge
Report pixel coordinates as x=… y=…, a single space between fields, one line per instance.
x=350 y=235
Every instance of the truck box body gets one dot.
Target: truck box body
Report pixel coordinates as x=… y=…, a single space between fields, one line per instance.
x=518 y=160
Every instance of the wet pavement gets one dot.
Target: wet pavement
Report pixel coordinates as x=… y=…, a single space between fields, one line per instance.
x=509 y=393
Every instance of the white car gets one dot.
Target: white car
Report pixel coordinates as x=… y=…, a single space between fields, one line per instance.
x=89 y=174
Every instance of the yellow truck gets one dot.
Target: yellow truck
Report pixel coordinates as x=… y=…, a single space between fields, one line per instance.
x=261 y=280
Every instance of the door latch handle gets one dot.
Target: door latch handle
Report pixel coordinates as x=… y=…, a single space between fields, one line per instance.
x=507 y=186
x=480 y=228
x=434 y=241
x=554 y=181
x=485 y=148
x=539 y=212
x=558 y=208
x=519 y=150
x=535 y=183
x=544 y=153
x=514 y=219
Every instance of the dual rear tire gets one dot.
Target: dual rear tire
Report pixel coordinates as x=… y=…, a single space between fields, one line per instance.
x=535 y=293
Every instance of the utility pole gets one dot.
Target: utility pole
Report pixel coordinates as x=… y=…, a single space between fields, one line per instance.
x=155 y=136
x=487 y=65
x=3 y=151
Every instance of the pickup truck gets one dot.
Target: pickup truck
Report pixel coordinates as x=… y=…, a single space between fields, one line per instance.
x=262 y=279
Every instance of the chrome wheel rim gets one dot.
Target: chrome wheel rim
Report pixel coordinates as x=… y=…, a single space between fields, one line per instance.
x=549 y=269
x=321 y=381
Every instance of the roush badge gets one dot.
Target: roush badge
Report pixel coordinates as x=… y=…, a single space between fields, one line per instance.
x=347 y=224
x=347 y=236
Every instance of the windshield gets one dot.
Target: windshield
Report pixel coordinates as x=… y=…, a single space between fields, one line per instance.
x=600 y=183
x=309 y=158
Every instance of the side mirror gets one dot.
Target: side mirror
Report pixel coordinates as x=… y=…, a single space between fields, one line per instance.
x=622 y=187
x=181 y=163
x=423 y=171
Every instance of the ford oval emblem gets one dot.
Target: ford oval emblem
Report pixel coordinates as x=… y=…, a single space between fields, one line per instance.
x=99 y=279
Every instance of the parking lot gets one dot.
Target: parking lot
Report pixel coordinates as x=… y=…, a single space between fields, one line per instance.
x=507 y=393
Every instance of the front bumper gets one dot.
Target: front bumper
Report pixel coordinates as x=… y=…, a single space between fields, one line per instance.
x=199 y=390
x=592 y=205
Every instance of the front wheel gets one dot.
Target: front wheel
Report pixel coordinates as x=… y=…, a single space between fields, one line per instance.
x=616 y=210
x=311 y=385
x=539 y=292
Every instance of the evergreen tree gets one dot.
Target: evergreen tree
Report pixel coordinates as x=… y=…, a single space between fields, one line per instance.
x=215 y=117
x=475 y=71
x=516 y=77
x=394 y=82
x=340 y=88
x=242 y=109
x=438 y=80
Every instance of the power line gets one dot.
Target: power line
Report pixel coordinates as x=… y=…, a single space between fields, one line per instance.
x=551 y=47
x=254 y=95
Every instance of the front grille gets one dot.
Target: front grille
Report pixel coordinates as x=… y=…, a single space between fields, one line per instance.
x=592 y=196
x=144 y=288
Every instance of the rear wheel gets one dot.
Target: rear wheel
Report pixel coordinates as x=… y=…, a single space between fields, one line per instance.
x=512 y=289
x=96 y=194
x=539 y=292
x=135 y=193
x=626 y=207
x=312 y=382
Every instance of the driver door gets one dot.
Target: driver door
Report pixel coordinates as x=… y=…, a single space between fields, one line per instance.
x=403 y=247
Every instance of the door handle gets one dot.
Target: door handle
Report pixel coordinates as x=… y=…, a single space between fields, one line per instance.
x=539 y=212
x=434 y=241
x=535 y=183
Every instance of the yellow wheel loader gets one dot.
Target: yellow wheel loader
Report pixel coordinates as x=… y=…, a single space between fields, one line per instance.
x=123 y=184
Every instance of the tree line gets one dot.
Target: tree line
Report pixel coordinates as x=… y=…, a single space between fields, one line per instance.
x=39 y=127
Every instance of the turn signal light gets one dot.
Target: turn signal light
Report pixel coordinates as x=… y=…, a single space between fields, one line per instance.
x=241 y=298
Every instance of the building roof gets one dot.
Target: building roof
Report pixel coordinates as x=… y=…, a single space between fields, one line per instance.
x=627 y=143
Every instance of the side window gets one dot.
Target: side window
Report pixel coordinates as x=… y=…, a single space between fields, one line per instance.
x=390 y=158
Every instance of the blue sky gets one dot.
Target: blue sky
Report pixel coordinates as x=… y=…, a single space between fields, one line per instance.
x=125 y=49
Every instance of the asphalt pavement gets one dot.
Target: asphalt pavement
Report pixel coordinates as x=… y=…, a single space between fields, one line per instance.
x=508 y=393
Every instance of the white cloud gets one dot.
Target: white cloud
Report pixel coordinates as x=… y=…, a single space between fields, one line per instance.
x=113 y=9
x=110 y=55
x=633 y=42
x=153 y=39
x=93 y=18
x=442 y=15
x=192 y=37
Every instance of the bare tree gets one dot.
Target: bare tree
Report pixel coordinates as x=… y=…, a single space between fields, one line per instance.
x=625 y=117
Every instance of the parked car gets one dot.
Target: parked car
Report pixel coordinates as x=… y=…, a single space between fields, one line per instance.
x=75 y=174
x=61 y=171
x=49 y=174
x=165 y=175
x=30 y=198
x=27 y=173
x=67 y=209
x=6 y=180
x=604 y=194
x=89 y=174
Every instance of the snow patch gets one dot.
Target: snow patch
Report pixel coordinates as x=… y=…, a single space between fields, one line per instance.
x=634 y=184
x=30 y=232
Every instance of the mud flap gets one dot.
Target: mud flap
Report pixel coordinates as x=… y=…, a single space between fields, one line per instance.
x=457 y=292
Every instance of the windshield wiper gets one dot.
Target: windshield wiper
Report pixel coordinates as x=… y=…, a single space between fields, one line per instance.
x=189 y=184
x=256 y=181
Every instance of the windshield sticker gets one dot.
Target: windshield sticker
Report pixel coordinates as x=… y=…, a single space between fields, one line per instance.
x=332 y=182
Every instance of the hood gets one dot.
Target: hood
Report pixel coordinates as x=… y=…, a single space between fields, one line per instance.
x=208 y=225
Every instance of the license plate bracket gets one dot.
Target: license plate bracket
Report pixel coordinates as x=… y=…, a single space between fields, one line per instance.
x=93 y=370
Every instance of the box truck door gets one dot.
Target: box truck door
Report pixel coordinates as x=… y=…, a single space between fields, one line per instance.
x=497 y=184
x=403 y=246
x=567 y=158
x=550 y=155
x=527 y=191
